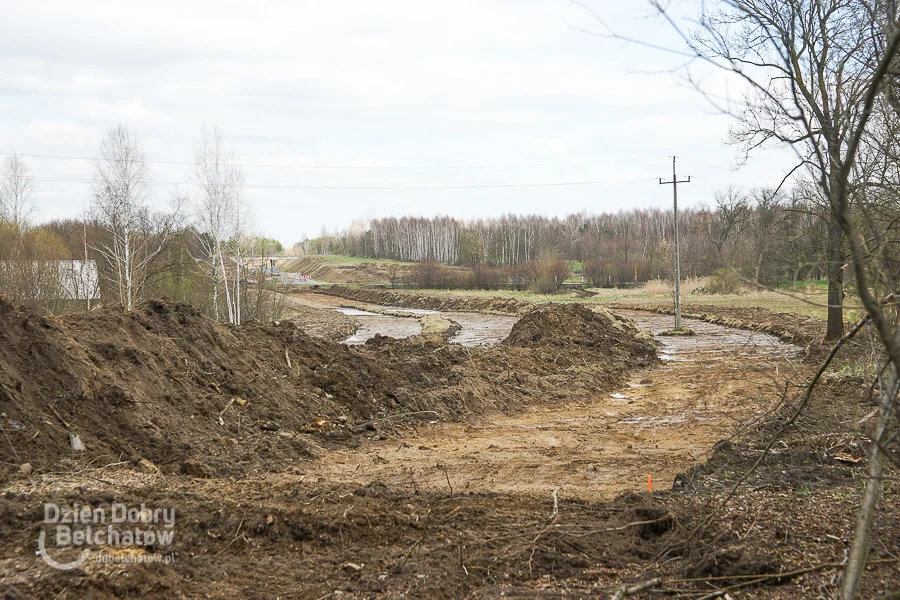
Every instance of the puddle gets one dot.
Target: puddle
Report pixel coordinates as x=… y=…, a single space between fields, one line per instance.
x=355 y=312
x=710 y=339
x=412 y=311
x=480 y=329
x=655 y=420
x=372 y=324
x=483 y=330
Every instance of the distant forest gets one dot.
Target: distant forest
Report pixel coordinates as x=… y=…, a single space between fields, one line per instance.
x=766 y=236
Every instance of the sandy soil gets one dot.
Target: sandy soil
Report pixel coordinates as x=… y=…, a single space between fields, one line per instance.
x=318 y=321
x=463 y=510
x=661 y=423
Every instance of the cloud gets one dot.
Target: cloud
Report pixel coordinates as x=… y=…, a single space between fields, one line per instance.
x=353 y=83
x=128 y=111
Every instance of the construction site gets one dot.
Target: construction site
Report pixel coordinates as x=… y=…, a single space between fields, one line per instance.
x=384 y=443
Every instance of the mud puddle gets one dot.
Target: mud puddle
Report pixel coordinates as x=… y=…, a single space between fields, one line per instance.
x=662 y=422
x=711 y=340
x=480 y=329
x=477 y=329
x=372 y=324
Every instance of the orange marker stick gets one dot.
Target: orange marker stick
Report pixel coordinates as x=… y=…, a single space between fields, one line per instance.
x=650 y=483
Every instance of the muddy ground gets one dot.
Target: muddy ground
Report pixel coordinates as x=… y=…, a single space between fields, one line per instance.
x=472 y=329
x=531 y=484
x=797 y=329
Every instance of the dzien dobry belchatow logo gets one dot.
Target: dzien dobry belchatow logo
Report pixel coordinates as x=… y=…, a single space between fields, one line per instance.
x=105 y=528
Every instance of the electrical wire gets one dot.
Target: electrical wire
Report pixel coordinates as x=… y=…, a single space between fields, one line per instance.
x=363 y=168
x=381 y=187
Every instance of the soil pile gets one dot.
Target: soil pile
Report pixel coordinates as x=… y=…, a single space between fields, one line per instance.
x=506 y=306
x=577 y=327
x=166 y=384
x=327 y=324
x=363 y=272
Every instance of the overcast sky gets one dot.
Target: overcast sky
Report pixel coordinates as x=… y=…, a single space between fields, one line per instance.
x=348 y=84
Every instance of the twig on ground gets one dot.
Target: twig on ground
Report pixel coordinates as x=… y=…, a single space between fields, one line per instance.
x=407 y=414
x=622 y=592
x=447 y=475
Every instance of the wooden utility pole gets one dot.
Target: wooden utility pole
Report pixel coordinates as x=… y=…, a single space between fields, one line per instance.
x=674 y=183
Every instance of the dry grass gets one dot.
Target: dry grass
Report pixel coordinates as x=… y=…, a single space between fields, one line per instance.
x=664 y=287
x=658 y=287
x=693 y=283
x=808 y=304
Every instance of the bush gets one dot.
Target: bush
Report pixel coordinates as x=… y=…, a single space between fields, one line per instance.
x=724 y=281
x=595 y=272
x=546 y=274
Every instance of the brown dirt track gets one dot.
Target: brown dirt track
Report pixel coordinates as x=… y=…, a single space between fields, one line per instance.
x=362 y=508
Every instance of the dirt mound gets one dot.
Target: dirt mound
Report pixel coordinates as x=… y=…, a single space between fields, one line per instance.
x=506 y=306
x=167 y=384
x=576 y=326
x=367 y=272
x=327 y=324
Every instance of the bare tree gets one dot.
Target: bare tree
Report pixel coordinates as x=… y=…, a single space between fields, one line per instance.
x=808 y=65
x=16 y=191
x=818 y=69
x=222 y=214
x=808 y=61
x=135 y=234
x=730 y=217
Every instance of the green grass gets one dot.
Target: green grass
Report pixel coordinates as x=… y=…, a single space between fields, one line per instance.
x=432 y=324
x=807 y=284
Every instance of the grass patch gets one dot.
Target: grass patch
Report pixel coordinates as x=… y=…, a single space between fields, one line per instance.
x=434 y=324
x=684 y=331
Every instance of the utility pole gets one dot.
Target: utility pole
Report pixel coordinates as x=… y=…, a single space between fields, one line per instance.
x=674 y=183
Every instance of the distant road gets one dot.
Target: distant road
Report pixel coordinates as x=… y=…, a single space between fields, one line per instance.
x=292 y=281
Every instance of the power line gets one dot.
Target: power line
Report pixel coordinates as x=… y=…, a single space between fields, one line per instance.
x=732 y=170
x=382 y=187
x=360 y=167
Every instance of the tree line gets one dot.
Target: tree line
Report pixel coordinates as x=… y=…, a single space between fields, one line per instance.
x=197 y=248
x=767 y=235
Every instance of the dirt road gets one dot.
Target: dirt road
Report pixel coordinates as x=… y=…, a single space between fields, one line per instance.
x=662 y=422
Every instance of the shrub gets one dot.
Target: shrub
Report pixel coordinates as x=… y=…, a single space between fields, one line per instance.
x=547 y=273
x=595 y=272
x=724 y=281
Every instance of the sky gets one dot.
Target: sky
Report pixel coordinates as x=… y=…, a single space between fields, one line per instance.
x=341 y=110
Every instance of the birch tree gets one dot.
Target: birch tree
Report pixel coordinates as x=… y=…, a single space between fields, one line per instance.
x=221 y=213
x=135 y=234
x=16 y=191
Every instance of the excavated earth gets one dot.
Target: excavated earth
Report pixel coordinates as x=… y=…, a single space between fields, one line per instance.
x=299 y=467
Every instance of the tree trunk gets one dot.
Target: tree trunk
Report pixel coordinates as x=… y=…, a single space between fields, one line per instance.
x=859 y=550
x=835 y=328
